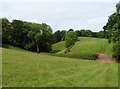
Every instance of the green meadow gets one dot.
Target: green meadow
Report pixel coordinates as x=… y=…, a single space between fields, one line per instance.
x=87 y=45
x=28 y=69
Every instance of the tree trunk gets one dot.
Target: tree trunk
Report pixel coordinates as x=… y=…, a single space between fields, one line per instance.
x=37 y=48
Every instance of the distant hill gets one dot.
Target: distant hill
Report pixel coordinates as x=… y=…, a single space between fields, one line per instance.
x=86 y=45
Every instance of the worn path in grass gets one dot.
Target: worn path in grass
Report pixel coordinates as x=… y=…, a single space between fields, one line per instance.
x=105 y=58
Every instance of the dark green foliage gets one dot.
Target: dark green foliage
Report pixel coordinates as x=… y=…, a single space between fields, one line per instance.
x=70 y=30
x=78 y=33
x=86 y=56
x=59 y=36
x=70 y=39
x=112 y=31
x=6 y=31
x=111 y=28
x=30 y=36
x=118 y=7
x=17 y=33
x=63 y=34
x=116 y=50
x=89 y=33
x=99 y=34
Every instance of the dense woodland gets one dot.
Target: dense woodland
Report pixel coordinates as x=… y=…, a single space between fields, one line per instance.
x=40 y=37
x=27 y=35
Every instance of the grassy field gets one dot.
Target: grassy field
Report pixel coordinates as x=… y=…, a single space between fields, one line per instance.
x=87 y=45
x=27 y=69
x=59 y=46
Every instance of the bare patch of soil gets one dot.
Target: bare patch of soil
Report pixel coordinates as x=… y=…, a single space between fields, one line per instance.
x=105 y=58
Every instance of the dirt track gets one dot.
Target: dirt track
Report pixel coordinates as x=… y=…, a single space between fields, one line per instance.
x=105 y=58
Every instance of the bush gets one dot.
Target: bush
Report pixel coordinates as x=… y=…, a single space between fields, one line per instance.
x=86 y=56
x=116 y=51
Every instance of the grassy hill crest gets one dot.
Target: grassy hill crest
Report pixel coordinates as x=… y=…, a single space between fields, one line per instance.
x=86 y=45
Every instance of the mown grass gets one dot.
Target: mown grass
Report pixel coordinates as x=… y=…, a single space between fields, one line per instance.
x=27 y=69
x=87 y=45
x=59 y=46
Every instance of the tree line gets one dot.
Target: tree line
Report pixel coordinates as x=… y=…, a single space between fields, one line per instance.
x=27 y=35
x=60 y=35
x=37 y=37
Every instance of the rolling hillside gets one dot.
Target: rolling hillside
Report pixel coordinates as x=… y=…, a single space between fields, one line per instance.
x=87 y=45
x=27 y=69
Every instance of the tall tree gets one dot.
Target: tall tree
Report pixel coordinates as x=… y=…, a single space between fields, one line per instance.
x=59 y=36
x=17 y=32
x=6 y=31
x=112 y=30
x=78 y=33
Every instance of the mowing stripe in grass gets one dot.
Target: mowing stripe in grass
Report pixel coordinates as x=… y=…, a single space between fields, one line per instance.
x=76 y=74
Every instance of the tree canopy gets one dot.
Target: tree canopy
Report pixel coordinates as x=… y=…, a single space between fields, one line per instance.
x=112 y=31
x=70 y=39
x=27 y=35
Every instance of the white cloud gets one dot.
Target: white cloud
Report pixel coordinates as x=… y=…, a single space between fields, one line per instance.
x=96 y=23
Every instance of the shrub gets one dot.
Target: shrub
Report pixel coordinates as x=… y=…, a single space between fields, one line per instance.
x=87 y=56
x=116 y=51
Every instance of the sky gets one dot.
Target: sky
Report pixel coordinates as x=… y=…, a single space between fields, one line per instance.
x=60 y=14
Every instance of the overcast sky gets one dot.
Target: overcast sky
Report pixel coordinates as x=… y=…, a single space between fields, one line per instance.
x=60 y=14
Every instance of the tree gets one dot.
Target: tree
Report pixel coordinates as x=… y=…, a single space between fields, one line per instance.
x=30 y=36
x=59 y=36
x=78 y=33
x=83 y=33
x=6 y=31
x=116 y=47
x=63 y=34
x=116 y=50
x=17 y=32
x=70 y=39
x=118 y=7
x=110 y=27
x=99 y=34
x=112 y=30
x=70 y=30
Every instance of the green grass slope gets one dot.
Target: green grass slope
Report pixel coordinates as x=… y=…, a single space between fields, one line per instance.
x=59 y=46
x=27 y=69
x=87 y=45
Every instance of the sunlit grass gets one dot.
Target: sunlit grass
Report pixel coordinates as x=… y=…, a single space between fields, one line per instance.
x=27 y=69
x=87 y=45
